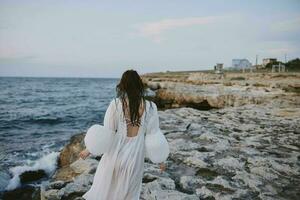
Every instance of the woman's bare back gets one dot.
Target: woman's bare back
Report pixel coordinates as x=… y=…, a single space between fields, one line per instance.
x=133 y=128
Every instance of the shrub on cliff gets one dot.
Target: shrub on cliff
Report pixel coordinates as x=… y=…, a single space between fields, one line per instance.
x=292 y=65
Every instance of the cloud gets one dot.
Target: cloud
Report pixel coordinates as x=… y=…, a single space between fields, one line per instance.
x=154 y=30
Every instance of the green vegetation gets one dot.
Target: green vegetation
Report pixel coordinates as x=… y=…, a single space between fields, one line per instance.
x=292 y=65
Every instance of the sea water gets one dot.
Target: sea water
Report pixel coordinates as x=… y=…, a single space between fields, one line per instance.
x=39 y=115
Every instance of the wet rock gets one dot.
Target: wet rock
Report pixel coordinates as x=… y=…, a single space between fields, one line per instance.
x=29 y=176
x=23 y=193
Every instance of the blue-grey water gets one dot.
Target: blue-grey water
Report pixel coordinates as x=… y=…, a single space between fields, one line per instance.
x=39 y=115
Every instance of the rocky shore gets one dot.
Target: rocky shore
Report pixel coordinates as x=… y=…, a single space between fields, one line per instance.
x=248 y=152
x=235 y=137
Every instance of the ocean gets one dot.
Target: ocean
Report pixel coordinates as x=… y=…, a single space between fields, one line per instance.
x=39 y=115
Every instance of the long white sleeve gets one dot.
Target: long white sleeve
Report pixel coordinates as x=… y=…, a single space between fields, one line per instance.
x=156 y=144
x=110 y=117
x=98 y=138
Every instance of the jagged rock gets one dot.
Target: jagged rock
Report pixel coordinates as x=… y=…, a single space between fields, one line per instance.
x=69 y=155
x=264 y=172
x=249 y=180
x=189 y=183
x=51 y=194
x=204 y=193
x=78 y=167
x=163 y=188
x=84 y=166
x=195 y=161
x=230 y=164
x=149 y=178
x=56 y=185
x=64 y=174
x=77 y=188
x=70 y=152
x=182 y=144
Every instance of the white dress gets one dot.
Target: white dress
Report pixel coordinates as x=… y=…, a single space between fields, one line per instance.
x=120 y=171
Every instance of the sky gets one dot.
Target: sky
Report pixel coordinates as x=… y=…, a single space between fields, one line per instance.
x=75 y=38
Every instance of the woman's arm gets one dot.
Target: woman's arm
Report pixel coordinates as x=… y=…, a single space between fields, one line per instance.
x=162 y=167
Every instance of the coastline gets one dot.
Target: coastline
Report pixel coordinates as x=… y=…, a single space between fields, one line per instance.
x=236 y=137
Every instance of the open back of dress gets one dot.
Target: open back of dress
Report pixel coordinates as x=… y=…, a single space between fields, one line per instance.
x=133 y=127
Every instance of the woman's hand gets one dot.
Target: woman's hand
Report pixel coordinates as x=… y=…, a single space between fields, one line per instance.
x=162 y=167
x=84 y=154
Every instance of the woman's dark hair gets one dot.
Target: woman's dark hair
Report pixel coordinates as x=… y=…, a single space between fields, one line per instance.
x=131 y=87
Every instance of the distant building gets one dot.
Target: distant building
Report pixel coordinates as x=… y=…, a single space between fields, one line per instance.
x=241 y=64
x=218 y=68
x=278 y=68
x=268 y=60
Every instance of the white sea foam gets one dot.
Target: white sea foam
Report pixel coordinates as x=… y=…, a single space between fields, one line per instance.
x=47 y=163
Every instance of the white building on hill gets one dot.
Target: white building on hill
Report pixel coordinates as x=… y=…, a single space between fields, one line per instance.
x=241 y=64
x=218 y=68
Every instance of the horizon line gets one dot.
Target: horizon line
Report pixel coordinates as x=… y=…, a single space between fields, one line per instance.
x=57 y=77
